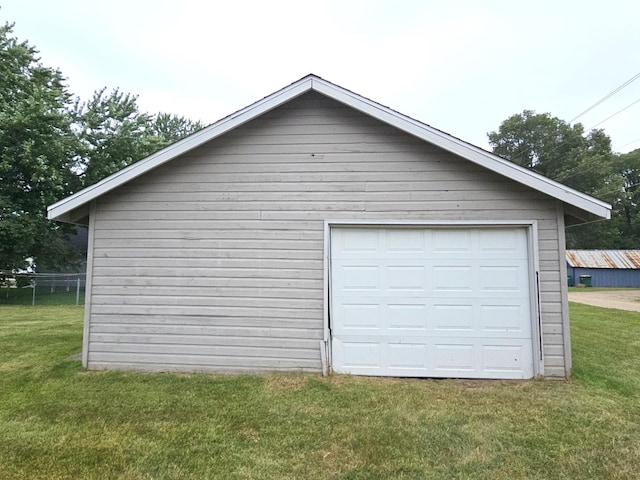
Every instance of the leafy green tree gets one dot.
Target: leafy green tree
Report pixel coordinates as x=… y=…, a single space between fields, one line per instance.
x=51 y=147
x=557 y=150
x=171 y=128
x=115 y=134
x=37 y=152
x=623 y=230
x=585 y=162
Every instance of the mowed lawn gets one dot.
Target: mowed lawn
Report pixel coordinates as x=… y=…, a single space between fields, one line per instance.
x=58 y=421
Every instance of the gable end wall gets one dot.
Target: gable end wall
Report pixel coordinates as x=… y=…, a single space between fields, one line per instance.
x=214 y=261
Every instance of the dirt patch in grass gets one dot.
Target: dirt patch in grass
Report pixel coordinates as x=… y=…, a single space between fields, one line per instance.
x=618 y=299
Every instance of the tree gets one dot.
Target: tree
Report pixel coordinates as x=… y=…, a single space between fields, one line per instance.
x=555 y=149
x=115 y=134
x=37 y=151
x=623 y=230
x=171 y=128
x=585 y=162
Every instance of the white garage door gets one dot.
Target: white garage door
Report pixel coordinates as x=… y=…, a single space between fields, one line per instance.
x=431 y=302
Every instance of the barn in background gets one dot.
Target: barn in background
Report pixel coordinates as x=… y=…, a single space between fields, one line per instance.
x=317 y=230
x=604 y=268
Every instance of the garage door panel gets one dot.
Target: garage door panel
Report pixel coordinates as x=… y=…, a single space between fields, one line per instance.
x=453 y=241
x=431 y=302
x=358 y=357
x=406 y=316
x=496 y=317
x=402 y=241
x=360 y=316
x=359 y=277
x=445 y=357
x=356 y=241
x=506 y=359
x=406 y=278
x=412 y=356
x=454 y=359
x=453 y=278
x=501 y=240
x=503 y=319
x=448 y=317
x=508 y=279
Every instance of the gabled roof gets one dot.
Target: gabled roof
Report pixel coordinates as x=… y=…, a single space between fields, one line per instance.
x=75 y=206
x=618 y=259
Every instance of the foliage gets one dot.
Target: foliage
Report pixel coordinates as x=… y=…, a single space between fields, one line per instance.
x=51 y=147
x=584 y=161
x=57 y=421
x=555 y=149
x=115 y=134
x=37 y=151
x=623 y=230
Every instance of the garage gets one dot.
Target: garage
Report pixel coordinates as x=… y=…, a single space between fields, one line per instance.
x=316 y=230
x=432 y=301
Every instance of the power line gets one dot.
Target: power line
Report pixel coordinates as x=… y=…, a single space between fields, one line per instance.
x=606 y=97
x=617 y=190
x=611 y=116
x=631 y=142
x=602 y=100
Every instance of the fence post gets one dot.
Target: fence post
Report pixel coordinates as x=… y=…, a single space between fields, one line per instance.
x=33 y=297
x=78 y=291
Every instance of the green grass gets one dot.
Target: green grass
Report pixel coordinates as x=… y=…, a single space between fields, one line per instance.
x=58 y=421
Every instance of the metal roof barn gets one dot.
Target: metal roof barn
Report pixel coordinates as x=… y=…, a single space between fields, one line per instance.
x=606 y=268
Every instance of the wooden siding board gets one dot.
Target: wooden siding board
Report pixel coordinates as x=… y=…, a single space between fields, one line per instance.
x=166 y=318
x=208 y=282
x=156 y=366
x=191 y=292
x=200 y=310
x=226 y=242
x=209 y=360
x=243 y=351
x=187 y=341
x=227 y=204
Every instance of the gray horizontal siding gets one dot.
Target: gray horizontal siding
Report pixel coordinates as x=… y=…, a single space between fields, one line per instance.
x=214 y=261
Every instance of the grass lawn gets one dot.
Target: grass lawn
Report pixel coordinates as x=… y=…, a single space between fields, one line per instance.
x=57 y=421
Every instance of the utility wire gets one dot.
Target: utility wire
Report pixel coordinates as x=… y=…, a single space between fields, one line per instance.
x=578 y=170
x=602 y=100
x=617 y=190
x=606 y=97
x=611 y=116
x=631 y=142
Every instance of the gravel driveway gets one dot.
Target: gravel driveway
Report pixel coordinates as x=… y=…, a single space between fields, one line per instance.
x=620 y=299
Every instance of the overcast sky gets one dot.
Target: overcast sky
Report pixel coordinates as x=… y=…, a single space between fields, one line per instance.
x=460 y=66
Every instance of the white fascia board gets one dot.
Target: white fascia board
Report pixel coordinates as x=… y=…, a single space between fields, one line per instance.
x=466 y=150
x=57 y=210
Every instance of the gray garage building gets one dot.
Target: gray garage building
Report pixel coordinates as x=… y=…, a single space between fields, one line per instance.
x=318 y=230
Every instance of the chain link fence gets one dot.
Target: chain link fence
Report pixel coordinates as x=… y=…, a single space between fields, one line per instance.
x=42 y=288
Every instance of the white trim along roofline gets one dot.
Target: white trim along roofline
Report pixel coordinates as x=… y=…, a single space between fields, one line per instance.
x=595 y=207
